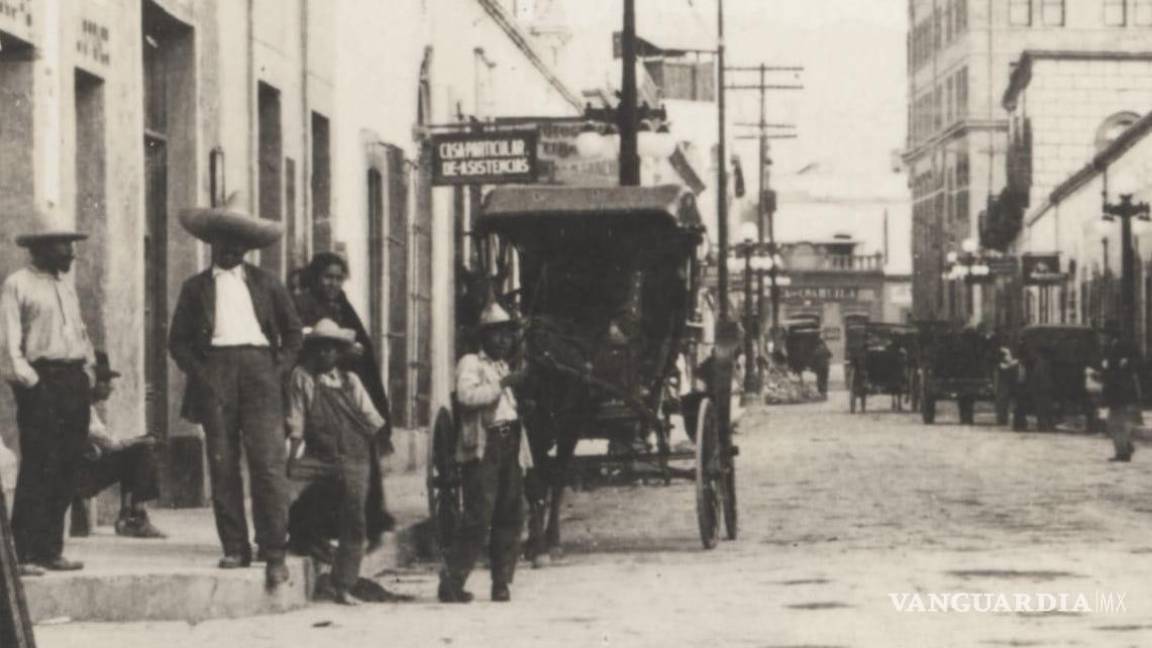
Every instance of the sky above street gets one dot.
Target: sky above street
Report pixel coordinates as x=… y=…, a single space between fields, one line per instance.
x=850 y=118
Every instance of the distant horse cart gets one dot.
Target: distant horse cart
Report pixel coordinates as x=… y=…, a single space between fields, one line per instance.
x=878 y=362
x=608 y=281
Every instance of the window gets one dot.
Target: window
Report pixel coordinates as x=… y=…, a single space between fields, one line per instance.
x=961 y=9
x=937 y=109
x=962 y=93
x=321 y=184
x=948 y=105
x=1142 y=10
x=1052 y=12
x=948 y=31
x=937 y=30
x=1115 y=13
x=1020 y=12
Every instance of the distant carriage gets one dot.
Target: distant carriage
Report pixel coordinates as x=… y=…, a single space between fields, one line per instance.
x=955 y=364
x=1049 y=381
x=878 y=360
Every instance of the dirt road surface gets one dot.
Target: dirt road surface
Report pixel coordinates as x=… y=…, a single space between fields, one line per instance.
x=840 y=515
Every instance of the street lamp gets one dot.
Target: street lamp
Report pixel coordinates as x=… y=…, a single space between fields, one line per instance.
x=758 y=258
x=968 y=266
x=1124 y=188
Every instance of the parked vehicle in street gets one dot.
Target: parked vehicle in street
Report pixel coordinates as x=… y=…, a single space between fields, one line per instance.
x=806 y=349
x=955 y=364
x=877 y=362
x=1050 y=377
x=607 y=283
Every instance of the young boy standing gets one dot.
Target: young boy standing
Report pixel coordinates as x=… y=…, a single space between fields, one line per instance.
x=331 y=413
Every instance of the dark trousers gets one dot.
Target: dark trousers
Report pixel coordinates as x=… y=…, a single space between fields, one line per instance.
x=134 y=468
x=53 y=420
x=493 y=509
x=334 y=507
x=247 y=410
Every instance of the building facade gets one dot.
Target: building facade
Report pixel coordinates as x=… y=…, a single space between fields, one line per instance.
x=960 y=56
x=119 y=113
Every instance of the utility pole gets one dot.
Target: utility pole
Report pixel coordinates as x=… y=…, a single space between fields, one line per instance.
x=629 y=141
x=766 y=207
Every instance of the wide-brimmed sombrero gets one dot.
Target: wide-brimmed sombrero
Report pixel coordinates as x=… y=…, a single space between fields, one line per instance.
x=48 y=228
x=328 y=331
x=227 y=223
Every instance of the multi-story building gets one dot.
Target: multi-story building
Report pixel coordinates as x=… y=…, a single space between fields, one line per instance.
x=960 y=57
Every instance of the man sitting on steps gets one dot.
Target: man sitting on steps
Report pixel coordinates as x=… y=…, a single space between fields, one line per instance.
x=130 y=463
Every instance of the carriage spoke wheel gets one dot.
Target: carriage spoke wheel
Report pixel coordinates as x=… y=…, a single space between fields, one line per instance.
x=442 y=484
x=709 y=473
x=728 y=482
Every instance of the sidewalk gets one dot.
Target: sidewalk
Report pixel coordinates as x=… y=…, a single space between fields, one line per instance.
x=176 y=579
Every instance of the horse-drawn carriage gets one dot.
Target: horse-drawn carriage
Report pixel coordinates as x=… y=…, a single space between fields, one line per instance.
x=878 y=360
x=804 y=344
x=606 y=282
x=1048 y=381
x=955 y=364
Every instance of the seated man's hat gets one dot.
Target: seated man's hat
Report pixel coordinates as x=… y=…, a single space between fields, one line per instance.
x=228 y=223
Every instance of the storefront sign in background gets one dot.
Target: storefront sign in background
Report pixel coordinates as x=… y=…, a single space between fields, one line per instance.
x=506 y=157
x=1041 y=269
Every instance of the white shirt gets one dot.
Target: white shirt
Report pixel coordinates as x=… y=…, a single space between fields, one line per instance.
x=40 y=316
x=236 y=323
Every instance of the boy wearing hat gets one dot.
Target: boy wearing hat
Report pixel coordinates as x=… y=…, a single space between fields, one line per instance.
x=331 y=413
x=130 y=463
x=235 y=335
x=48 y=360
x=493 y=454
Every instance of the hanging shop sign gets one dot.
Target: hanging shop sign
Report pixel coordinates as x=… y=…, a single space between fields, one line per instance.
x=822 y=293
x=492 y=158
x=1002 y=265
x=1040 y=269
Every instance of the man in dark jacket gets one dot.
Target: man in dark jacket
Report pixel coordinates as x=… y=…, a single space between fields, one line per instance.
x=1121 y=393
x=235 y=335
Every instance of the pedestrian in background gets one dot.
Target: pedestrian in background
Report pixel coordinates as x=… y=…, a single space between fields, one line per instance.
x=48 y=359
x=330 y=412
x=235 y=335
x=1121 y=392
x=322 y=296
x=493 y=454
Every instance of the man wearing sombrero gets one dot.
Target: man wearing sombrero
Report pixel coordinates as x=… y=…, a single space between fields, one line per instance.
x=48 y=360
x=235 y=335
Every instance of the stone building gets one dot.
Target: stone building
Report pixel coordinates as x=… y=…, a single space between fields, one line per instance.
x=118 y=113
x=960 y=56
x=1064 y=107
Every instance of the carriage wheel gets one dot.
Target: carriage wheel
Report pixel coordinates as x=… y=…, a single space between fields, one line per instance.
x=444 y=504
x=731 y=526
x=708 y=474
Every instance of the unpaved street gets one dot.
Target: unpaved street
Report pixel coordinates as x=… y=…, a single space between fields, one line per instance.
x=837 y=512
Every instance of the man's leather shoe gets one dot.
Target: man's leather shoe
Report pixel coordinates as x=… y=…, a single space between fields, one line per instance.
x=501 y=594
x=61 y=563
x=138 y=526
x=276 y=574
x=235 y=561
x=28 y=569
x=1124 y=458
x=449 y=593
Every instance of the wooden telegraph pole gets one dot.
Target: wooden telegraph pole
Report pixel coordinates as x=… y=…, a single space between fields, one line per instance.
x=766 y=210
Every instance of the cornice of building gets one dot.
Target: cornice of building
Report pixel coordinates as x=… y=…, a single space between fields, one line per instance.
x=1022 y=71
x=521 y=40
x=956 y=130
